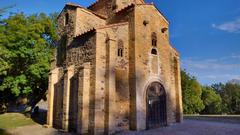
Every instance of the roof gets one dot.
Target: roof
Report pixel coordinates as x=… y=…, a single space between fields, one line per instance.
x=152 y=4
x=89 y=23
x=78 y=6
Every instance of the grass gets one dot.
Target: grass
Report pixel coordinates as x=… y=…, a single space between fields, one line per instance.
x=235 y=119
x=14 y=120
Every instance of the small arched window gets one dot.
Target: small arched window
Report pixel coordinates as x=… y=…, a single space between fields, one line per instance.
x=120 y=48
x=154 y=39
x=66 y=19
x=154 y=51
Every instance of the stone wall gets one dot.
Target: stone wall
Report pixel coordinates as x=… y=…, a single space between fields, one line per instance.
x=79 y=50
x=58 y=100
x=115 y=112
x=122 y=78
x=102 y=91
x=65 y=33
x=86 y=21
x=147 y=21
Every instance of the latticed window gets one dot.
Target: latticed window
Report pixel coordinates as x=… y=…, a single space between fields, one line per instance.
x=120 y=48
x=154 y=39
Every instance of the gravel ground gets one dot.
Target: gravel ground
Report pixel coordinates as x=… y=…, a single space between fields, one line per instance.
x=193 y=127
x=188 y=127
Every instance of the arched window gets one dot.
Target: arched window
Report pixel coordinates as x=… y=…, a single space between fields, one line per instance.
x=66 y=19
x=154 y=39
x=154 y=51
x=120 y=48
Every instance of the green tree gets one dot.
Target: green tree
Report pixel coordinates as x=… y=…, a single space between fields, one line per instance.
x=26 y=48
x=231 y=98
x=191 y=91
x=211 y=100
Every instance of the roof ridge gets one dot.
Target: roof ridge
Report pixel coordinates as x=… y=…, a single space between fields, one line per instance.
x=73 y=4
x=94 y=3
x=95 y=13
x=84 y=32
x=125 y=7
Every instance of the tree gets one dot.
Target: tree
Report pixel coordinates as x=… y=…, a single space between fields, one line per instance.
x=211 y=100
x=191 y=91
x=231 y=97
x=26 y=48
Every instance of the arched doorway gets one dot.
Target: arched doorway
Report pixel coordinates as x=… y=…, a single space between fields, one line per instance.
x=156 y=106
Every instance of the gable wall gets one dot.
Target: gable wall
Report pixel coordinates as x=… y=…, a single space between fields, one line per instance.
x=144 y=60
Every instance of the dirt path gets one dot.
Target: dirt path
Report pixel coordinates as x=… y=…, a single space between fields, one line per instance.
x=188 y=127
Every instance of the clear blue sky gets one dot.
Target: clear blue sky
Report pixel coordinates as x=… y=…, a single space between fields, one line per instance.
x=205 y=32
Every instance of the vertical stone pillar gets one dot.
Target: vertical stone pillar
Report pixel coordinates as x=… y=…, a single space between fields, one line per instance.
x=110 y=87
x=53 y=79
x=83 y=99
x=178 y=91
x=66 y=95
x=99 y=97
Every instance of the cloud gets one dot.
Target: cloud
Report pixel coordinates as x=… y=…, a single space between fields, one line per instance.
x=235 y=56
x=231 y=26
x=210 y=64
x=213 y=70
x=222 y=76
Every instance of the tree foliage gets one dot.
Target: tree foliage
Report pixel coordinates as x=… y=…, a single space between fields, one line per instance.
x=211 y=100
x=191 y=92
x=230 y=93
x=25 y=44
x=218 y=99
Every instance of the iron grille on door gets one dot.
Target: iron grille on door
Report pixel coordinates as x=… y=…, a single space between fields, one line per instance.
x=156 y=106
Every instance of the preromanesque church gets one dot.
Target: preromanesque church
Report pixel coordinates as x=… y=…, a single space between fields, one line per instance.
x=114 y=69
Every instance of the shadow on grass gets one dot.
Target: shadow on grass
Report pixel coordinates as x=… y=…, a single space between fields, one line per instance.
x=4 y=132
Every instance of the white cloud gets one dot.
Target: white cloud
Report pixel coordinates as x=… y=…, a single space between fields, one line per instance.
x=213 y=70
x=209 y=64
x=231 y=26
x=235 y=56
x=221 y=76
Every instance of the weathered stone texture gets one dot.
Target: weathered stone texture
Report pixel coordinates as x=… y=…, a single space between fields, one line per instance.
x=86 y=21
x=104 y=64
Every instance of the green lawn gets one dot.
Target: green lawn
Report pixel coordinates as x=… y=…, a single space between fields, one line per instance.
x=14 y=120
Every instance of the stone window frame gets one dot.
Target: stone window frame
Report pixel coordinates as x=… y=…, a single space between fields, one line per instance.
x=66 y=19
x=154 y=39
x=154 y=51
x=120 y=48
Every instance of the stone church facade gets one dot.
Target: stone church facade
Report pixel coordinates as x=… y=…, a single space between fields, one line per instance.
x=114 y=69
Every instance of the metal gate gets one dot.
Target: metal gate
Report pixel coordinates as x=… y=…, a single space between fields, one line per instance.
x=156 y=106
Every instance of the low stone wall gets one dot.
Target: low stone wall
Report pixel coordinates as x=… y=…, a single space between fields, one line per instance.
x=235 y=119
